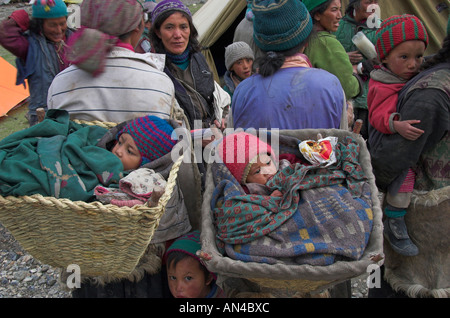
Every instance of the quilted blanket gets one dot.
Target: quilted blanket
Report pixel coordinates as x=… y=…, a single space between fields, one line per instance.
x=58 y=158
x=324 y=215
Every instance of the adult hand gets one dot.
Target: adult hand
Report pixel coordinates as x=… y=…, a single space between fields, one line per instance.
x=406 y=129
x=355 y=57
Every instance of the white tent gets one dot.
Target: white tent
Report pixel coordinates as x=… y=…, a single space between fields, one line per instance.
x=215 y=22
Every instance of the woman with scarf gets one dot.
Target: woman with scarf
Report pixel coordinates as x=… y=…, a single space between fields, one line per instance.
x=287 y=93
x=108 y=81
x=174 y=34
x=39 y=44
x=359 y=17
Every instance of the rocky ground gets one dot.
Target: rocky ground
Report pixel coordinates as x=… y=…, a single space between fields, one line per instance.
x=22 y=276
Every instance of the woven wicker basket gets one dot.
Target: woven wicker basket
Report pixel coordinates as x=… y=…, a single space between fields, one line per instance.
x=250 y=279
x=103 y=240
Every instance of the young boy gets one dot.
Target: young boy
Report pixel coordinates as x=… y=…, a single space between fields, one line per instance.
x=188 y=277
x=400 y=43
x=239 y=59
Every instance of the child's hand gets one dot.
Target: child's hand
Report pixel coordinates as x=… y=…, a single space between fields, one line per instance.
x=276 y=193
x=406 y=130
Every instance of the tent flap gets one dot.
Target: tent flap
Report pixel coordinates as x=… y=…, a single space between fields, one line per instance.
x=10 y=93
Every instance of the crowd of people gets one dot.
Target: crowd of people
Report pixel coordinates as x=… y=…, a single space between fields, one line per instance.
x=292 y=65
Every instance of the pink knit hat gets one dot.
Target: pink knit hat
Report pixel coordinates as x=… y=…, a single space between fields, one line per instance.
x=239 y=151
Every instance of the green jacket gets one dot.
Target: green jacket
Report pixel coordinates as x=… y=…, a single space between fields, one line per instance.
x=348 y=27
x=326 y=52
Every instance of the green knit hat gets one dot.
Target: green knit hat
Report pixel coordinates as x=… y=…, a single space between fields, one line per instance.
x=49 y=9
x=188 y=243
x=280 y=25
x=311 y=4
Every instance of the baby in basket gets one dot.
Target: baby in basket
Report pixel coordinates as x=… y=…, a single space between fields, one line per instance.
x=137 y=143
x=298 y=214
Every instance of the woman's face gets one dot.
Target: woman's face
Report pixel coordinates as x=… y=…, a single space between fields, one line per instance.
x=54 y=29
x=365 y=9
x=329 y=20
x=174 y=33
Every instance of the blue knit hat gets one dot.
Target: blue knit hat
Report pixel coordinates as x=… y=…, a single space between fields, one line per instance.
x=48 y=9
x=280 y=25
x=152 y=136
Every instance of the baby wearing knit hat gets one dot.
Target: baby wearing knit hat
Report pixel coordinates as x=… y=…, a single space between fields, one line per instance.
x=143 y=140
x=249 y=159
x=400 y=43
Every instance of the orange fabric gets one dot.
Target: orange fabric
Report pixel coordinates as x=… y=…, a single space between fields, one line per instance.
x=10 y=93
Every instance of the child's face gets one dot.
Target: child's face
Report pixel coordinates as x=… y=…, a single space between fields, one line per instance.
x=405 y=59
x=262 y=170
x=127 y=152
x=243 y=67
x=187 y=279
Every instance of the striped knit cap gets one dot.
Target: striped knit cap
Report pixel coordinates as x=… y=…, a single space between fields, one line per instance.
x=102 y=22
x=152 y=136
x=169 y=5
x=280 y=25
x=398 y=29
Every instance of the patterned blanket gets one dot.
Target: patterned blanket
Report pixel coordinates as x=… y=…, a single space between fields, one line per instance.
x=58 y=158
x=324 y=215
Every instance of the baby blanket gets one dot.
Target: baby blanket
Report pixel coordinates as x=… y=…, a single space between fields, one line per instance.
x=324 y=215
x=58 y=158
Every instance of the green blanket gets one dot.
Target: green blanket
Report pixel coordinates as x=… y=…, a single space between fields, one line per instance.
x=58 y=158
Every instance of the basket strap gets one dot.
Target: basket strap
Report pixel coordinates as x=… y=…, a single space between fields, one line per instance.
x=103 y=124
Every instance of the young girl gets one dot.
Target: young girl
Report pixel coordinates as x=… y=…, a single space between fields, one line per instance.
x=239 y=59
x=188 y=277
x=400 y=43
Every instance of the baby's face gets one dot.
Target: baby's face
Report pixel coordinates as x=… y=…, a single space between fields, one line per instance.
x=262 y=170
x=127 y=151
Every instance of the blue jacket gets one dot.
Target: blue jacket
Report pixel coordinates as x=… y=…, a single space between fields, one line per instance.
x=41 y=66
x=292 y=98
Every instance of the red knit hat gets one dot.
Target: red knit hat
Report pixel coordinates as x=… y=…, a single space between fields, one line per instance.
x=239 y=151
x=398 y=29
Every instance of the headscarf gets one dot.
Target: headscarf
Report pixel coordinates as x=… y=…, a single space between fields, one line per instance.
x=102 y=22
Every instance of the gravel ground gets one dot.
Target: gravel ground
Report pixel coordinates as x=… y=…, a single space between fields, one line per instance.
x=22 y=276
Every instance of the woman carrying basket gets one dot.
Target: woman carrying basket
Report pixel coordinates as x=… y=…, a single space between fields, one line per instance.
x=108 y=81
